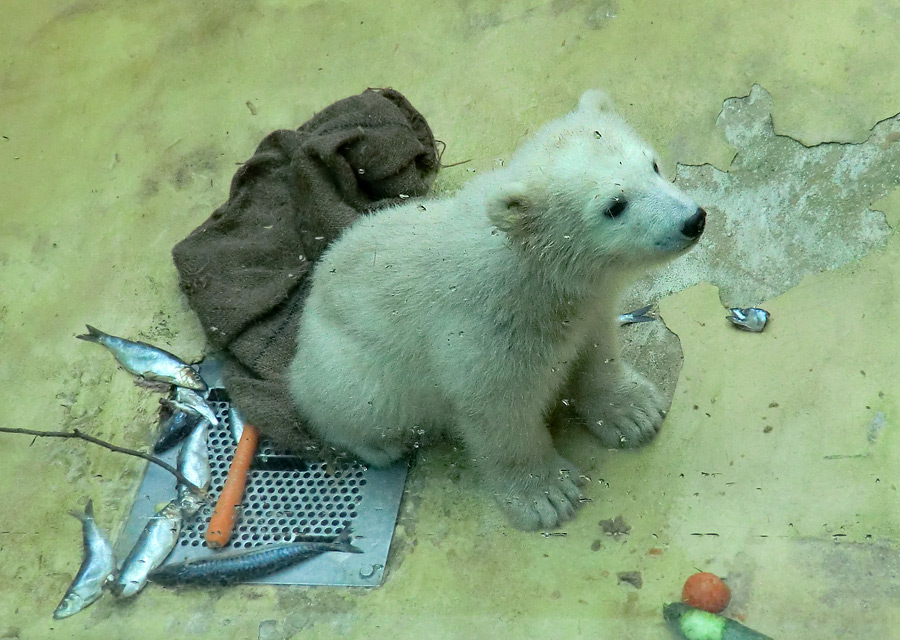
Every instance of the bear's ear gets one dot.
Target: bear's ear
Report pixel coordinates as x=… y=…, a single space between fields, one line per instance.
x=508 y=209
x=596 y=100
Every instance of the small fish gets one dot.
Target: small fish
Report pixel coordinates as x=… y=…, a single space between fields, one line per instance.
x=749 y=319
x=174 y=428
x=147 y=361
x=237 y=423
x=231 y=567
x=696 y=624
x=193 y=402
x=152 y=548
x=193 y=463
x=644 y=314
x=97 y=567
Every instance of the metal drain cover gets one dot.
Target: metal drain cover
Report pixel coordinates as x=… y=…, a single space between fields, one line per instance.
x=286 y=500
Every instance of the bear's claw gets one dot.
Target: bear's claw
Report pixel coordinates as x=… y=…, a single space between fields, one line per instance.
x=629 y=414
x=542 y=500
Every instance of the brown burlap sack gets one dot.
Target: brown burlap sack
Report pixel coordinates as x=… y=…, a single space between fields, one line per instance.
x=245 y=269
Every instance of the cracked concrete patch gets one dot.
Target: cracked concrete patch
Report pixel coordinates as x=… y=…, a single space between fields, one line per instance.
x=782 y=210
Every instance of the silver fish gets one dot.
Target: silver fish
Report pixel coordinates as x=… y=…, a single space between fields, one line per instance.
x=155 y=544
x=193 y=463
x=644 y=314
x=193 y=402
x=231 y=567
x=749 y=319
x=174 y=428
x=147 y=361
x=237 y=423
x=97 y=567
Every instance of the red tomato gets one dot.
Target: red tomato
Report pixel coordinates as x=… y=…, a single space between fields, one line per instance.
x=706 y=591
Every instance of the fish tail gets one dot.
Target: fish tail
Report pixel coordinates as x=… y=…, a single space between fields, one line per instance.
x=94 y=334
x=344 y=535
x=87 y=514
x=344 y=541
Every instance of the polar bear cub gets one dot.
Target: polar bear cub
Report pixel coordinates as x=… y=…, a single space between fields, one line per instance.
x=474 y=314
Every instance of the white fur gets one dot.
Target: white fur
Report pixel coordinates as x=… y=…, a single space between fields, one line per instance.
x=473 y=313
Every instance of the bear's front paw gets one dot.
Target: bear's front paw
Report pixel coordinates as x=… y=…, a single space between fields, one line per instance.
x=539 y=499
x=627 y=413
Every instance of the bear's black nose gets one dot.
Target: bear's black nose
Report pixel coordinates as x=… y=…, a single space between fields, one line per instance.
x=693 y=226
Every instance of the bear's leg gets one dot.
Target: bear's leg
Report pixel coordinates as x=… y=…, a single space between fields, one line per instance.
x=362 y=434
x=620 y=406
x=535 y=486
x=358 y=432
x=380 y=455
x=335 y=386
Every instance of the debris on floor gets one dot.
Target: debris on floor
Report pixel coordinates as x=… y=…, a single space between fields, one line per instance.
x=634 y=578
x=615 y=527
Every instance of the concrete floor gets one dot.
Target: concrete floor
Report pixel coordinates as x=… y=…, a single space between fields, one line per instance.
x=122 y=124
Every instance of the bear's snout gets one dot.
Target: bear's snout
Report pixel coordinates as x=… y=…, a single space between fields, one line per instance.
x=693 y=226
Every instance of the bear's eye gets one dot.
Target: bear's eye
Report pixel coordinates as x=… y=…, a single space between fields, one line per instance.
x=655 y=168
x=617 y=208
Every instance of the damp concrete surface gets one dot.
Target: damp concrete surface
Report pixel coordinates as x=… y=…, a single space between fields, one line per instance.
x=776 y=467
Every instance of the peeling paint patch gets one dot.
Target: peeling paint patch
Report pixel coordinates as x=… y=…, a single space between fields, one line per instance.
x=782 y=210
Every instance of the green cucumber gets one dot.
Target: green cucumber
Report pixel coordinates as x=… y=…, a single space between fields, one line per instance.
x=697 y=624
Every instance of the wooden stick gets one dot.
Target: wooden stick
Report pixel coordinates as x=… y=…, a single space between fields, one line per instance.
x=75 y=433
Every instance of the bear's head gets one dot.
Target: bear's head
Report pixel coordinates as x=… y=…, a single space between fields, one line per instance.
x=586 y=190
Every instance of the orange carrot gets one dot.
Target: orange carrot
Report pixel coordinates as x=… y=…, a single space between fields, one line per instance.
x=221 y=524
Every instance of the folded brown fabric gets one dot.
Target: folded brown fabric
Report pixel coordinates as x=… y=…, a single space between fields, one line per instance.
x=245 y=269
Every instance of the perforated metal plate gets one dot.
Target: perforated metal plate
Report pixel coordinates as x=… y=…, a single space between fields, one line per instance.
x=285 y=500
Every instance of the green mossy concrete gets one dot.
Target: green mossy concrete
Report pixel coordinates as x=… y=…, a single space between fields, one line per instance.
x=122 y=125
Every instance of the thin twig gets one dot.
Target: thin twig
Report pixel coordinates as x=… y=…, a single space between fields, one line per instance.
x=455 y=164
x=75 y=433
